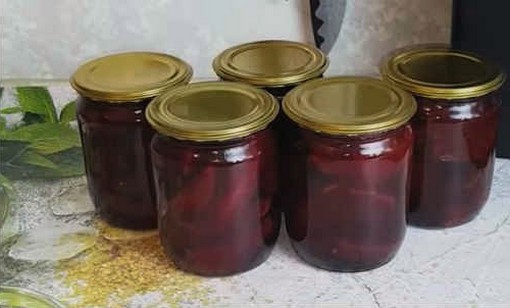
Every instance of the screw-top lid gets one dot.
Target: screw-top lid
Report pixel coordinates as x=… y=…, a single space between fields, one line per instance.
x=349 y=106
x=442 y=73
x=271 y=63
x=130 y=76
x=212 y=111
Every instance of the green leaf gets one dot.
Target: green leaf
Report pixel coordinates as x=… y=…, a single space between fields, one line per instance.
x=68 y=113
x=35 y=159
x=6 y=184
x=11 y=110
x=3 y=123
x=44 y=138
x=31 y=118
x=68 y=163
x=37 y=100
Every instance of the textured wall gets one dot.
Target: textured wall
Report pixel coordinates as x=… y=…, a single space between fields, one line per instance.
x=48 y=39
x=373 y=28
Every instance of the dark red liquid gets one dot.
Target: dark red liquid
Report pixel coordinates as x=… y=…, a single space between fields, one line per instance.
x=346 y=198
x=453 y=160
x=116 y=146
x=215 y=202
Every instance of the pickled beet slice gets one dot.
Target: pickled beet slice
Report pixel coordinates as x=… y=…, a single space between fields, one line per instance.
x=297 y=221
x=379 y=169
x=265 y=206
x=238 y=254
x=193 y=201
x=268 y=166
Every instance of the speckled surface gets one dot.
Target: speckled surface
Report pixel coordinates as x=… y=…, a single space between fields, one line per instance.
x=42 y=41
x=467 y=265
x=463 y=266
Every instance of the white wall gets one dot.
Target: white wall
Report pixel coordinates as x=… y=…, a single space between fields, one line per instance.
x=47 y=39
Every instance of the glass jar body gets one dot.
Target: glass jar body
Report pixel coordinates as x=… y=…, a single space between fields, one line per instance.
x=453 y=160
x=345 y=200
x=216 y=216
x=116 y=146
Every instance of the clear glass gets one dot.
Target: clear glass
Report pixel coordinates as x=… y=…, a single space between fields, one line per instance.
x=453 y=160
x=116 y=146
x=345 y=197
x=215 y=202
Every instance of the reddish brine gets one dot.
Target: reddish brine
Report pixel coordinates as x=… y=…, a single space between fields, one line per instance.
x=455 y=127
x=215 y=200
x=114 y=92
x=215 y=167
x=453 y=160
x=346 y=209
x=116 y=148
x=347 y=165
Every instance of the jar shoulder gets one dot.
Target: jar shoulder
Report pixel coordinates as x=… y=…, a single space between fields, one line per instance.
x=396 y=142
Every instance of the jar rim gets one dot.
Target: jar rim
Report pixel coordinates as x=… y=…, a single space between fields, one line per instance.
x=212 y=111
x=130 y=76
x=438 y=71
x=279 y=63
x=349 y=106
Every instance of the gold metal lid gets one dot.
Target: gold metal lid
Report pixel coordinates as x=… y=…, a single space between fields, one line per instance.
x=18 y=297
x=349 y=105
x=442 y=73
x=130 y=76
x=212 y=111
x=271 y=63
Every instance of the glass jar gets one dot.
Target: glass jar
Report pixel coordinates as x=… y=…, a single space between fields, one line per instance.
x=347 y=186
x=214 y=161
x=114 y=92
x=455 y=129
x=276 y=66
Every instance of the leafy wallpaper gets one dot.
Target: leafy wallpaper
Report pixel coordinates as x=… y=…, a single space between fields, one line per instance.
x=42 y=39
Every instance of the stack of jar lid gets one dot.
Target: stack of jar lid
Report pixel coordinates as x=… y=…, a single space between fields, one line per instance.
x=349 y=160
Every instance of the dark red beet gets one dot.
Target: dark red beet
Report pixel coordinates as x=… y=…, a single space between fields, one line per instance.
x=345 y=208
x=116 y=146
x=216 y=214
x=453 y=161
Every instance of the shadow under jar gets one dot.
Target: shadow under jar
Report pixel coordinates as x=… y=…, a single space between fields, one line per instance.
x=214 y=161
x=347 y=186
x=455 y=130
x=114 y=93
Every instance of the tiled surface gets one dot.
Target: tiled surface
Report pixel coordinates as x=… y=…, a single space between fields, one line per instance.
x=463 y=266
x=47 y=41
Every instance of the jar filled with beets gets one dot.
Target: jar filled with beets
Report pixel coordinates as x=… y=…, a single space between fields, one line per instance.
x=114 y=92
x=214 y=161
x=347 y=186
x=274 y=65
x=455 y=130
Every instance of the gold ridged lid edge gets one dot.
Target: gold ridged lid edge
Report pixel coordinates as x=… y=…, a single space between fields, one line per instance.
x=155 y=115
x=271 y=82
x=120 y=97
x=390 y=74
x=338 y=129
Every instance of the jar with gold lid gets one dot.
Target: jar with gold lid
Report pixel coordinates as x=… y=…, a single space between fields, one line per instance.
x=113 y=94
x=274 y=65
x=214 y=161
x=455 y=129
x=346 y=188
